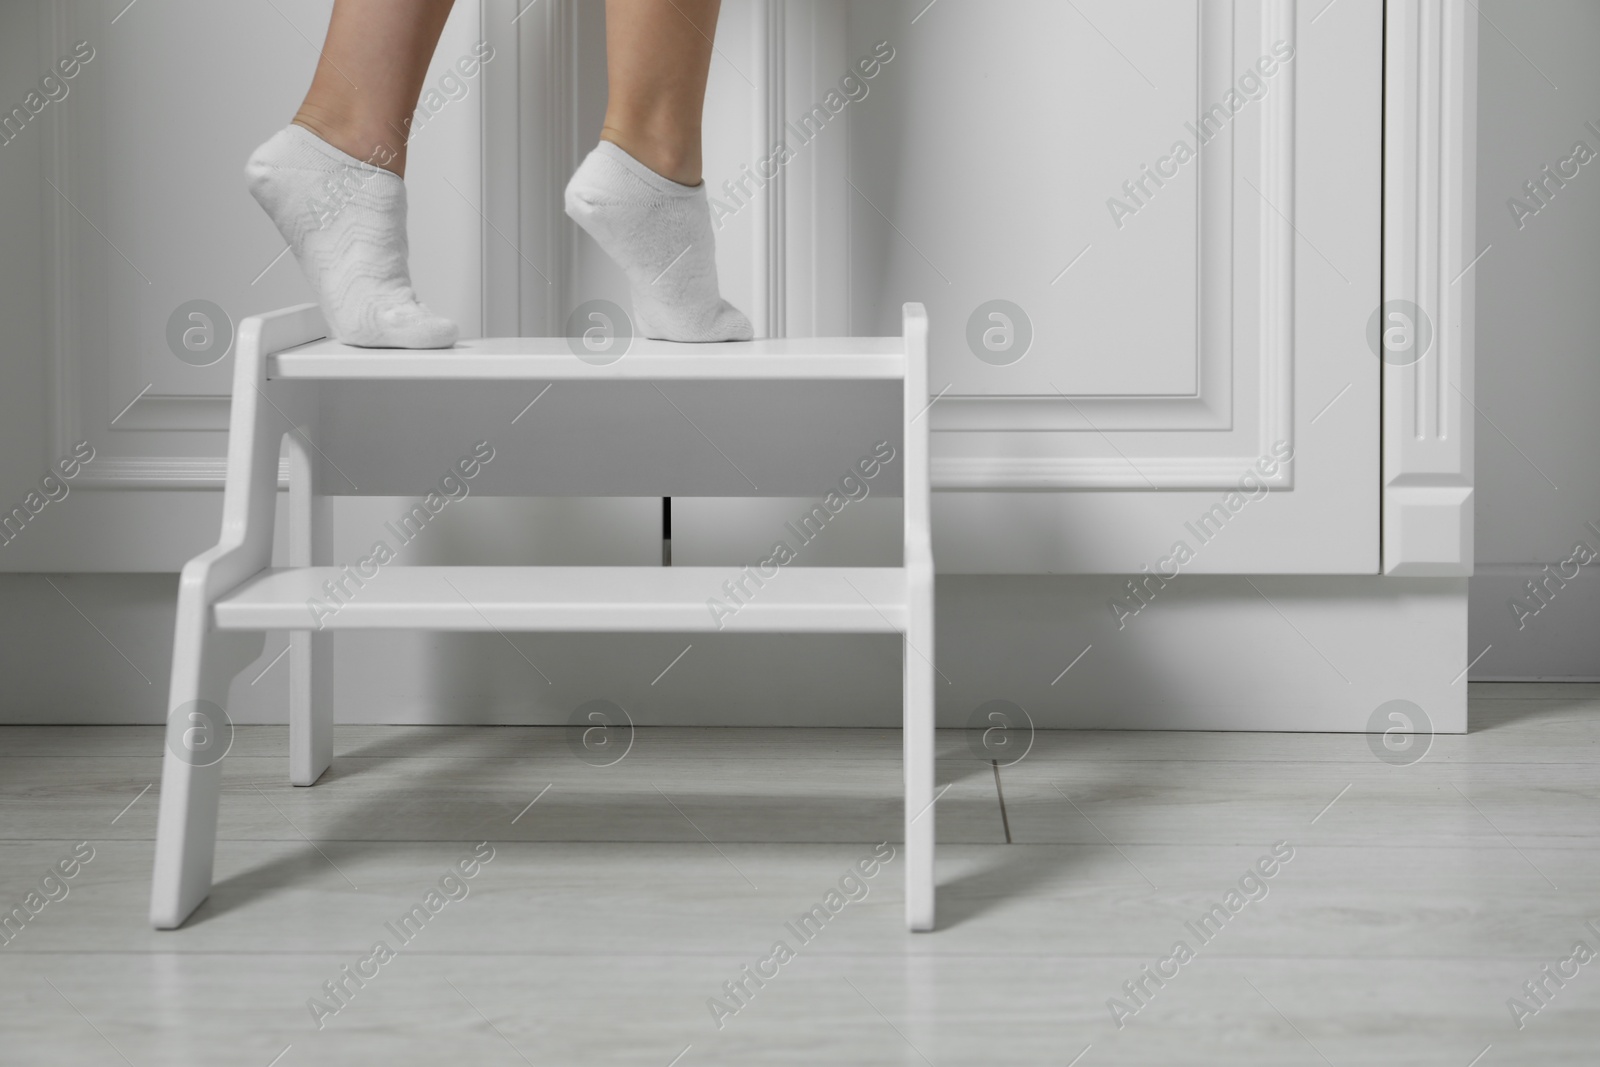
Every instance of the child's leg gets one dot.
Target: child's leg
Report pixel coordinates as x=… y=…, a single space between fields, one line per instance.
x=639 y=194
x=331 y=182
x=370 y=76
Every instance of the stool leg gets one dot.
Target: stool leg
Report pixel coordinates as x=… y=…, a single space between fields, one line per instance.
x=919 y=784
x=918 y=651
x=310 y=652
x=198 y=733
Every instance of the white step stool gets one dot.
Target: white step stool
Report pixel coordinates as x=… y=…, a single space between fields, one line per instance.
x=229 y=596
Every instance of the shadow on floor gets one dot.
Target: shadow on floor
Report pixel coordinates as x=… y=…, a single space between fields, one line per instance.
x=449 y=802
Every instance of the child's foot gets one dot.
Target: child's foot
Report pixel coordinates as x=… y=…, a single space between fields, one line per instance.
x=346 y=222
x=659 y=233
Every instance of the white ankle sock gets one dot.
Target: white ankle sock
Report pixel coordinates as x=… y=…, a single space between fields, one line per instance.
x=346 y=222
x=659 y=233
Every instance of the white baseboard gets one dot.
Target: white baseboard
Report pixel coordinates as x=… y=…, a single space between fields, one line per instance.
x=1208 y=653
x=1292 y=653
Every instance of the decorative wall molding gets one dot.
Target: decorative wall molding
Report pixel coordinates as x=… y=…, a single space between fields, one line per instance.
x=501 y=119
x=62 y=24
x=530 y=148
x=159 y=412
x=1210 y=409
x=65 y=338
x=1430 y=190
x=559 y=150
x=71 y=362
x=772 y=246
x=161 y=472
x=974 y=473
x=62 y=427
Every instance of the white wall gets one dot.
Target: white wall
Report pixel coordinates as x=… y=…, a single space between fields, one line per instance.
x=1538 y=486
x=93 y=647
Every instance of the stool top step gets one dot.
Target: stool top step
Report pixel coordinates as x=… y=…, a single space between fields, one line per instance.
x=552 y=358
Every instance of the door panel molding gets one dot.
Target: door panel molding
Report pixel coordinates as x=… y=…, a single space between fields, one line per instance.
x=1246 y=376
x=1114 y=522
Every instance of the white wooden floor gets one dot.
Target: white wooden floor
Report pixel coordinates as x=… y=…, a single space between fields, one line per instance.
x=1419 y=899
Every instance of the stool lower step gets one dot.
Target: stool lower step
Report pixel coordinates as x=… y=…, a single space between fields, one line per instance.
x=571 y=599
